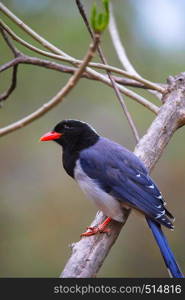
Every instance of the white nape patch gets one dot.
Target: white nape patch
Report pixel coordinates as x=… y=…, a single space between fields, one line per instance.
x=138 y=175
x=105 y=202
x=90 y=126
x=160 y=215
x=151 y=186
x=86 y=124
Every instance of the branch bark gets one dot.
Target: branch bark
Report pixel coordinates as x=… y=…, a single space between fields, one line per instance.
x=89 y=253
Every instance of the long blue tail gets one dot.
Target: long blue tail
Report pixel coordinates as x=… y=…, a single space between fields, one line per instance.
x=164 y=247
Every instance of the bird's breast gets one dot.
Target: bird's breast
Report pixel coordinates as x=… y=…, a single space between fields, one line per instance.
x=105 y=202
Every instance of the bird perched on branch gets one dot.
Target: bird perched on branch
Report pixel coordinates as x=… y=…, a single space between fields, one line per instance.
x=113 y=177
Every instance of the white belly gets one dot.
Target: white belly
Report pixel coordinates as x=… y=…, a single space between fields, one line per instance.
x=105 y=202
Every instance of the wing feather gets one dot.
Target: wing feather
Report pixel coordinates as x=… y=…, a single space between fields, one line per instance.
x=120 y=173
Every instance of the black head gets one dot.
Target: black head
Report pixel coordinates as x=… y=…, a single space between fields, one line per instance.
x=72 y=135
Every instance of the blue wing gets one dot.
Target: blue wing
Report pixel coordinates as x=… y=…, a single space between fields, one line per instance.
x=120 y=173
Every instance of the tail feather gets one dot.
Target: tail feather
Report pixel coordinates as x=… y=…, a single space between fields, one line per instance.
x=164 y=247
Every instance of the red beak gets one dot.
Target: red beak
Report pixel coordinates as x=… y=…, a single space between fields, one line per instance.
x=50 y=136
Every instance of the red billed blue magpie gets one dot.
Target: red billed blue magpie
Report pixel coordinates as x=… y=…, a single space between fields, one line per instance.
x=114 y=178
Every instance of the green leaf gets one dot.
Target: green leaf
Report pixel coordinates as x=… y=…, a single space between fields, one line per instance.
x=93 y=15
x=99 y=21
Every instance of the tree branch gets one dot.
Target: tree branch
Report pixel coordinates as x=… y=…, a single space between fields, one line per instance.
x=143 y=82
x=25 y=59
x=89 y=253
x=14 y=50
x=102 y=78
x=58 y=97
x=120 y=50
x=56 y=50
x=45 y=43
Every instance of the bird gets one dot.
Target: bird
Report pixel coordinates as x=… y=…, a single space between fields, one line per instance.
x=114 y=178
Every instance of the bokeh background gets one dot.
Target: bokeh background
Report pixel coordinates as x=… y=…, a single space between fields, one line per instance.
x=42 y=210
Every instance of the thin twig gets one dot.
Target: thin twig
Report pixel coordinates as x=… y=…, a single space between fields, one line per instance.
x=25 y=59
x=16 y=53
x=104 y=60
x=12 y=86
x=84 y=17
x=14 y=50
x=134 y=83
x=123 y=105
x=121 y=50
x=58 y=97
x=118 y=45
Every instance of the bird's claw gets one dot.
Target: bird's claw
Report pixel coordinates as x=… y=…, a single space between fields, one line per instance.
x=96 y=229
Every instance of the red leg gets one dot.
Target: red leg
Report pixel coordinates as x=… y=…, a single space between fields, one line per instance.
x=98 y=229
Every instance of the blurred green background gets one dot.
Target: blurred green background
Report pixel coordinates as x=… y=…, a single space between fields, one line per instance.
x=42 y=210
